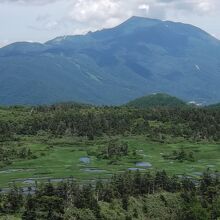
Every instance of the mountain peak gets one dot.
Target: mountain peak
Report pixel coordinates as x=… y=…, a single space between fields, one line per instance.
x=136 y=22
x=141 y=21
x=113 y=66
x=139 y=18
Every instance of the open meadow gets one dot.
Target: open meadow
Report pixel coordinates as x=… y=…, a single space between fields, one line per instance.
x=68 y=157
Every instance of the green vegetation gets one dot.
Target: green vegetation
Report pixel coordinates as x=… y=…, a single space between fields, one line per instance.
x=11 y=153
x=90 y=121
x=157 y=100
x=49 y=156
x=58 y=158
x=47 y=142
x=114 y=149
x=180 y=155
x=125 y=196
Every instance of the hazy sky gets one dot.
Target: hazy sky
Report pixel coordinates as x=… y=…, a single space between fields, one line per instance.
x=41 y=20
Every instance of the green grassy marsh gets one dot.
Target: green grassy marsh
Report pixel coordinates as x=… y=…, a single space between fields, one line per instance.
x=58 y=158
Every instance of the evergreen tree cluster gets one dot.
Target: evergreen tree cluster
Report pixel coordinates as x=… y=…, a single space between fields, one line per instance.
x=181 y=155
x=113 y=150
x=10 y=153
x=90 y=121
x=70 y=200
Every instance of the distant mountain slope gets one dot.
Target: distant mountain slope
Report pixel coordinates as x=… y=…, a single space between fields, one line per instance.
x=112 y=66
x=156 y=100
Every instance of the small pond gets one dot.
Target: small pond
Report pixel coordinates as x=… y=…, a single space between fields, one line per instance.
x=143 y=164
x=33 y=180
x=85 y=160
x=15 y=170
x=93 y=170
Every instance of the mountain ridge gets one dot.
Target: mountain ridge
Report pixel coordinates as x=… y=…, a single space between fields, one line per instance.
x=112 y=66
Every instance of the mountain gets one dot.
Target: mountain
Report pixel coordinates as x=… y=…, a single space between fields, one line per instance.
x=157 y=100
x=113 y=66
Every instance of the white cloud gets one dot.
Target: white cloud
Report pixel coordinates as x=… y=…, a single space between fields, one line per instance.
x=29 y=2
x=4 y=43
x=63 y=17
x=144 y=7
x=86 y=15
x=205 y=6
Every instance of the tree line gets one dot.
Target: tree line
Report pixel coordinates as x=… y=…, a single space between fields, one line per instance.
x=91 y=122
x=198 y=199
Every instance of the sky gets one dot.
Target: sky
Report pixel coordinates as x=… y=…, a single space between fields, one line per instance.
x=42 y=20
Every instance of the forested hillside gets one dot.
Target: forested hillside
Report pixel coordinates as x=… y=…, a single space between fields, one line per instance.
x=113 y=66
x=157 y=100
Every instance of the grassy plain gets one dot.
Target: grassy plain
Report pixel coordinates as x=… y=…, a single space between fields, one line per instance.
x=59 y=158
